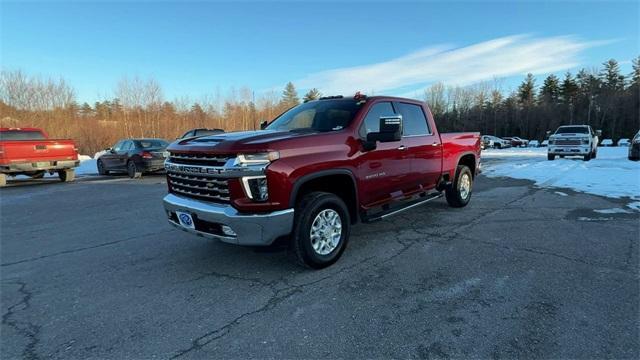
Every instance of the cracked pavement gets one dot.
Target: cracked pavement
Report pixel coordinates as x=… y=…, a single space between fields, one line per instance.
x=92 y=270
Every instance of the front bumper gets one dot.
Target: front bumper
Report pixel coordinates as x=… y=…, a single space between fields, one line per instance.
x=38 y=166
x=569 y=149
x=251 y=229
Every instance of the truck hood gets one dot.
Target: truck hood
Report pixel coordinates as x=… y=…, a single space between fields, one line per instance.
x=235 y=141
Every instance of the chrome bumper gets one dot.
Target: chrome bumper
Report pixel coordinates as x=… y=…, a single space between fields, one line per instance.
x=569 y=149
x=250 y=229
x=40 y=165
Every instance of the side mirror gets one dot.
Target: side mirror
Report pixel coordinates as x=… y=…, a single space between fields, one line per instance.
x=598 y=133
x=548 y=133
x=390 y=130
x=263 y=124
x=112 y=151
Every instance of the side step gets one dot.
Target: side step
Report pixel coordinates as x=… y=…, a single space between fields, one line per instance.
x=424 y=198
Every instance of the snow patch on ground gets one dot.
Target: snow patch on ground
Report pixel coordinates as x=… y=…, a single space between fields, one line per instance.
x=611 y=174
x=613 y=211
x=561 y=193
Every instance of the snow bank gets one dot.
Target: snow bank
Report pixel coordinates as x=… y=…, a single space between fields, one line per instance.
x=610 y=174
x=87 y=166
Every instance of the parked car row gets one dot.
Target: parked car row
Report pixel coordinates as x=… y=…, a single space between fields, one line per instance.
x=30 y=152
x=634 y=147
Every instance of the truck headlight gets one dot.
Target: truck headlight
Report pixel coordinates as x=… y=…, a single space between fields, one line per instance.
x=256 y=187
x=257 y=158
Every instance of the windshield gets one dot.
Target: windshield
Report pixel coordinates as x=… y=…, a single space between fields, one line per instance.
x=21 y=135
x=572 y=130
x=151 y=143
x=321 y=115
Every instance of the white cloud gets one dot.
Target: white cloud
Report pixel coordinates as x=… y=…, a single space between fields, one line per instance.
x=502 y=57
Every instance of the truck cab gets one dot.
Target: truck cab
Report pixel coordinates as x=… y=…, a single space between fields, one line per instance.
x=314 y=171
x=574 y=140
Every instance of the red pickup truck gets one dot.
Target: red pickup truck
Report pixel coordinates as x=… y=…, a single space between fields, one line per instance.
x=316 y=170
x=28 y=151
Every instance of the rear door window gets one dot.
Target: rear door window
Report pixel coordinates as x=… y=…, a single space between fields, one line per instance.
x=414 y=122
x=12 y=135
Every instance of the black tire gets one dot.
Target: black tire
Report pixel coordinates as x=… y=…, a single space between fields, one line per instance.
x=133 y=171
x=101 y=169
x=454 y=194
x=497 y=146
x=307 y=211
x=551 y=157
x=594 y=154
x=37 y=175
x=67 y=175
x=561 y=156
x=586 y=157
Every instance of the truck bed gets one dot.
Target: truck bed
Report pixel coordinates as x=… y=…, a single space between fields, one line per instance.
x=456 y=145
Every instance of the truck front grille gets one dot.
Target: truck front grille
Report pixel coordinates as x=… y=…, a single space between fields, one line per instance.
x=568 y=142
x=199 y=187
x=199 y=159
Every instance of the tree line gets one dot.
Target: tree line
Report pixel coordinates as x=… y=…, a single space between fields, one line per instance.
x=605 y=99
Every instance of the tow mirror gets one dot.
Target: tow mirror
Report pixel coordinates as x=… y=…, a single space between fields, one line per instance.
x=263 y=124
x=390 y=130
x=599 y=133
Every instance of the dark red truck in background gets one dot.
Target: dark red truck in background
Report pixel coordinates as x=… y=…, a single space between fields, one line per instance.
x=28 y=151
x=316 y=170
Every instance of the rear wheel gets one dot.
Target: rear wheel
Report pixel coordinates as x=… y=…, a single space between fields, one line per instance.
x=458 y=194
x=321 y=229
x=67 y=175
x=101 y=169
x=133 y=171
x=551 y=157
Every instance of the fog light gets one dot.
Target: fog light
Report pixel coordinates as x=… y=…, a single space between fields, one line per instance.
x=227 y=231
x=256 y=187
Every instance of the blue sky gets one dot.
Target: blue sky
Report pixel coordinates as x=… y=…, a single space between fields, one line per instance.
x=194 y=48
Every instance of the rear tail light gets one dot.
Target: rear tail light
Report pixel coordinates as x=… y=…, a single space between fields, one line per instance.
x=147 y=155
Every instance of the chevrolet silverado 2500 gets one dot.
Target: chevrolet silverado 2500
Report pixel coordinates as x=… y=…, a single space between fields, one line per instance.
x=314 y=171
x=29 y=151
x=574 y=140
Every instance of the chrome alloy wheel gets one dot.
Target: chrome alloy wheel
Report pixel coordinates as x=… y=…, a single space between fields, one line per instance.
x=465 y=186
x=326 y=231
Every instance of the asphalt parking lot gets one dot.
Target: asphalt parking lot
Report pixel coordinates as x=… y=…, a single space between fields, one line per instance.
x=91 y=269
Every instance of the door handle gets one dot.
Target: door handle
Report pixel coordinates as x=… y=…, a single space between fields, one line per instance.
x=435 y=144
x=402 y=147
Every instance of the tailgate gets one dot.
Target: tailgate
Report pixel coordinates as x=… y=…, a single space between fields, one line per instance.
x=26 y=151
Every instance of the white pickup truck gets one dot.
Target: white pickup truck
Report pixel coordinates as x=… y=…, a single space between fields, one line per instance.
x=574 y=140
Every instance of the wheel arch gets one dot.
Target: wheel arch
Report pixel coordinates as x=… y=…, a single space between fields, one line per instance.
x=332 y=181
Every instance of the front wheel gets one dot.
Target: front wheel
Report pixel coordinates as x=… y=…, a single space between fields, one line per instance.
x=586 y=157
x=594 y=154
x=459 y=193
x=321 y=229
x=101 y=169
x=551 y=157
x=133 y=171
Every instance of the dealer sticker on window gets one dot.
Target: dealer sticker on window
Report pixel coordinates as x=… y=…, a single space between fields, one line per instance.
x=185 y=220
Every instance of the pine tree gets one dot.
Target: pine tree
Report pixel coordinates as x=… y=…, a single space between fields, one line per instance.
x=635 y=75
x=550 y=91
x=313 y=94
x=526 y=91
x=290 y=96
x=612 y=79
x=568 y=89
